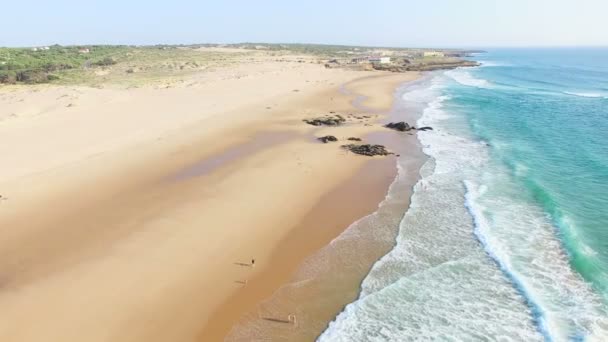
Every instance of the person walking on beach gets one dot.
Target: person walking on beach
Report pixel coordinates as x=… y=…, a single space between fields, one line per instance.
x=252 y=262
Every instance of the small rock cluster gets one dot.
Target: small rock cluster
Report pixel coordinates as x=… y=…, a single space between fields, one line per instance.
x=362 y=117
x=367 y=149
x=335 y=120
x=327 y=138
x=361 y=149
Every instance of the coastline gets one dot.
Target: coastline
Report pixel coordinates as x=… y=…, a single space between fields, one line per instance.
x=477 y=232
x=319 y=287
x=115 y=228
x=324 y=222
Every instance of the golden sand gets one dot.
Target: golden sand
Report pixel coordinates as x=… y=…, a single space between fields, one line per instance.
x=129 y=211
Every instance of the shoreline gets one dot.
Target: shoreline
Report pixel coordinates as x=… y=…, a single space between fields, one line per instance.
x=329 y=221
x=275 y=322
x=152 y=253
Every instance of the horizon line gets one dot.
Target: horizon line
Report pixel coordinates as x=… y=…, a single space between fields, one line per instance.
x=453 y=47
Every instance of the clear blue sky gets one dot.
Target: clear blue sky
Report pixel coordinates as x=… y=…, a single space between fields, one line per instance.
x=422 y=23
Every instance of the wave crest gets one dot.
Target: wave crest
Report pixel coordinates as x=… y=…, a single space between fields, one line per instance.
x=589 y=95
x=467 y=79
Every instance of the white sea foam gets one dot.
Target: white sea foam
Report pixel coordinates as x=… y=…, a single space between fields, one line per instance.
x=474 y=259
x=437 y=283
x=464 y=77
x=586 y=94
x=522 y=240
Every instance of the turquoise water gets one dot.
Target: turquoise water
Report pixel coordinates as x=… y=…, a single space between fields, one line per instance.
x=507 y=234
x=546 y=113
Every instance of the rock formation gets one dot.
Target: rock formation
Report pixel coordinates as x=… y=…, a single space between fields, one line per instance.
x=367 y=149
x=327 y=138
x=399 y=126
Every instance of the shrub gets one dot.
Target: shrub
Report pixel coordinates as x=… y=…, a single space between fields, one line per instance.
x=105 y=62
x=8 y=77
x=31 y=76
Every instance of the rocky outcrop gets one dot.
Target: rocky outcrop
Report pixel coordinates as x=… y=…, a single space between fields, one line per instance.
x=426 y=66
x=367 y=150
x=399 y=126
x=335 y=120
x=327 y=138
x=354 y=139
x=404 y=127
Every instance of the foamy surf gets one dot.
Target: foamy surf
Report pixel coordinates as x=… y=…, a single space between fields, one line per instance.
x=437 y=283
x=475 y=258
x=523 y=243
x=464 y=77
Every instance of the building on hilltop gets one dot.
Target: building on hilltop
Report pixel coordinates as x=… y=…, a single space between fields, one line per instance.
x=433 y=54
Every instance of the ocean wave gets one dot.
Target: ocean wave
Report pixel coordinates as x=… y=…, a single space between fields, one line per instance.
x=493 y=64
x=523 y=243
x=466 y=78
x=474 y=258
x=438 y=303
x=590 y=95
x=494 y=251
x=424 y=95
x=436 y=283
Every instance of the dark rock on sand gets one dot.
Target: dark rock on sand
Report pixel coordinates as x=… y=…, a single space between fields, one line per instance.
x=326 y=121
x=327 y=139
x=399 y=126
x=354 y=139
x=426 y=128
x=367 y=150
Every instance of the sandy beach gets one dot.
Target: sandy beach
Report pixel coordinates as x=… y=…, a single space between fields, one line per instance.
x=297 y=171
x=134 y=214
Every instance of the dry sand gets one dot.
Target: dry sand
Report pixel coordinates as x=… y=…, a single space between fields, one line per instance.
x=128 y=211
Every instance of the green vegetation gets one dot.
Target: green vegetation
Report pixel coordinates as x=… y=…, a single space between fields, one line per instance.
x=39 y=65
x=95 y=65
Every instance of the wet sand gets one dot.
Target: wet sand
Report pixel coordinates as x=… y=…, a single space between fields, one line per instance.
x=328 y=279
x=348 y=202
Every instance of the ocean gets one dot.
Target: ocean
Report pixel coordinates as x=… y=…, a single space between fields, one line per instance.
x=506 y=237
